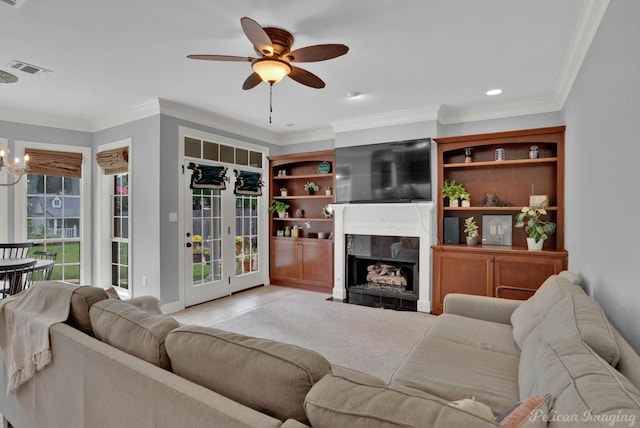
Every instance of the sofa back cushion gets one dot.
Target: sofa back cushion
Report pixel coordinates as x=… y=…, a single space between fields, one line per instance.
x=82 y=299
x=531 y=312
x=133 y=330
x=268 y=376
x=576 y=317
x=337 y=401
x=586 y=390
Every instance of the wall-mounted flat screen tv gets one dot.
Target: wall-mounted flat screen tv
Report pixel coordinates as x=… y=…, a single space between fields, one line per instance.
x=384 y=173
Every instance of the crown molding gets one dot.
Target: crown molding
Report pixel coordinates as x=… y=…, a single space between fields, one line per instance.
x=450 y=115
x=400 y=117
x=141 y=111
x=45 y=119
x=588 y=23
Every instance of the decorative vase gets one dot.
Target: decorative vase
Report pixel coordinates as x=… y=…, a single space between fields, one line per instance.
x=282 y=214
x=311 y=191
x=453 y=202
x=283 y=193
x=532 y=245
x=466 y=203
x=327 y=192
x=472 y=240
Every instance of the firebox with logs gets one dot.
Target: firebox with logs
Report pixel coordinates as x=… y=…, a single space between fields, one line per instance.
x=390 y=283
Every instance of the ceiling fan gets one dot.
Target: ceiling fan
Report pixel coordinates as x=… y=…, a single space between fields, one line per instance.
x=273 y=45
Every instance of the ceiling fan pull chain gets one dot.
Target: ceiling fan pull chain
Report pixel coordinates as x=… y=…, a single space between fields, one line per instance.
x=270 y=100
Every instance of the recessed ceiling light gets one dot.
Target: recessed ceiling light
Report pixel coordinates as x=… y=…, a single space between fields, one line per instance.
x=353 y=94
x=494 y=92
x=291 y=125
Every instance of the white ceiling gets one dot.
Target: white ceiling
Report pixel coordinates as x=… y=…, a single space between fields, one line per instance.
x=406 y=57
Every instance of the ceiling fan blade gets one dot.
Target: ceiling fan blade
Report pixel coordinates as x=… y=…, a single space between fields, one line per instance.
x=317 y=53
x=306 y=77
x=256 y=34
x=221 y=58
x=252 y=81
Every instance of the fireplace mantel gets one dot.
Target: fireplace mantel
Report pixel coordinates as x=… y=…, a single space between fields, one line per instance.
x=411 y=219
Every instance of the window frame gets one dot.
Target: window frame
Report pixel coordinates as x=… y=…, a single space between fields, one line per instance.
x=20 y=198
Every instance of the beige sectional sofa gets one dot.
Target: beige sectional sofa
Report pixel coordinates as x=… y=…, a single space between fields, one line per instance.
x=557 y=350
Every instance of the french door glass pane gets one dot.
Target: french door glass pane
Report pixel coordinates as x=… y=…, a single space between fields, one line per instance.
x=246 y=234
x=207 y=236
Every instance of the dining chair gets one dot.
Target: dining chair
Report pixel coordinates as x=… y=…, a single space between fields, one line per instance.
x=15 y=250
x=17 y=278
x=44 y=274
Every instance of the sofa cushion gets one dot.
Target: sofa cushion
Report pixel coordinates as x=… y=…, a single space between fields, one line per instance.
x=531 y=312
x=133 y=330
x=339 y=402
x=587 y=391
x=453 y=371
x=268 y=376
x=579 y=316
x=492 y=336
x=531 y=412
x=82 y=299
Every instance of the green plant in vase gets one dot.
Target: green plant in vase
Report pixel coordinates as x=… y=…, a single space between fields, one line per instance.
x=454 y=191
x=311 y=187
x=537 y=229
x=279 y=207
x=471 y=229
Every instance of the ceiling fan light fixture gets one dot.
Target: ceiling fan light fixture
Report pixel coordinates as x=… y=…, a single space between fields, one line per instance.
x=271 y=70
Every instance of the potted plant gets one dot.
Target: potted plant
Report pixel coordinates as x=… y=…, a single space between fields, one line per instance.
x=311 y=187
x=453 y=191
x=279 y=207
x=471 y=229
x=537 y=230
x=283 y=191
x=465 y=198
x=327 y=191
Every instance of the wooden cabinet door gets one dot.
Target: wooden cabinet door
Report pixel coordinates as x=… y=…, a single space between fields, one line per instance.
x=518 y=277
x=316 y=263
x=285 y=261
x=460 y=273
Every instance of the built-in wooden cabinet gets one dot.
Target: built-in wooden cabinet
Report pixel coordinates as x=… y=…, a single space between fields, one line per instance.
x=498 y=188
x=305 y=260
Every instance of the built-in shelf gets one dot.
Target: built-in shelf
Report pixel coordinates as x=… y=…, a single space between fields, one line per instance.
x=515 y=209
x=303 y=219
x=300 y=176
x=494 y=164
x=305 y=197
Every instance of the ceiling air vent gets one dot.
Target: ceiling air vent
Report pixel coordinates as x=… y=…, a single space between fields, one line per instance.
x=14 y=3
x=27 y=68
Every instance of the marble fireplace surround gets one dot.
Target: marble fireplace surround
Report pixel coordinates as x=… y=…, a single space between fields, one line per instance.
x=410 y=219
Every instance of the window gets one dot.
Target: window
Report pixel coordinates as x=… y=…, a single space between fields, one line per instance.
x=120 y=232
x=53 y=221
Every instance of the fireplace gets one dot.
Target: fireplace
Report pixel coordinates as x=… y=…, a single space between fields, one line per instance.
x=395 y=234
x=382 y=271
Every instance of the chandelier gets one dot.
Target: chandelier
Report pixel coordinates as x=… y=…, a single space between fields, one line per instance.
x=14 y=170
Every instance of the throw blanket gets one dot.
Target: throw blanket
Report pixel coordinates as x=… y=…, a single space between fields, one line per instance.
x=25 y=319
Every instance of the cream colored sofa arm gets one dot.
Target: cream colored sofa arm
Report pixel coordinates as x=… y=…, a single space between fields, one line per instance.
x=485 y=308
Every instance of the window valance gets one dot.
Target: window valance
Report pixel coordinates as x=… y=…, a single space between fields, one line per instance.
x=60 y=164
x=114 y=161
x=208 y=176
x=248 y=183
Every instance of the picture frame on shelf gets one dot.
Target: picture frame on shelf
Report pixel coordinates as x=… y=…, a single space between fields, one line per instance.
x=497 y=229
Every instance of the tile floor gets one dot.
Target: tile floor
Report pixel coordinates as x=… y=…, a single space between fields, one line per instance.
x=236 y=304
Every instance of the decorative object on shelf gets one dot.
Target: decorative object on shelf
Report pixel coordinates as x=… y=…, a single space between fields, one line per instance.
x=279 y=232
x=283 y=191
x=327 y=211
x=299 y=213
x=492 y=200
x=496 y=229
x=282 y=173
x=311 y=187
x=471 y=229
x=500 y=156
x=537 y=201
x=327 y=191
x=467 y=155
x=13 y=168
x=533 y=152
x=537 y=230
x=465 y=199
x=324 y=168
x=278 y=207
x=295 y=232
x=287 y=231
x=453 y=191
x=323 y=235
